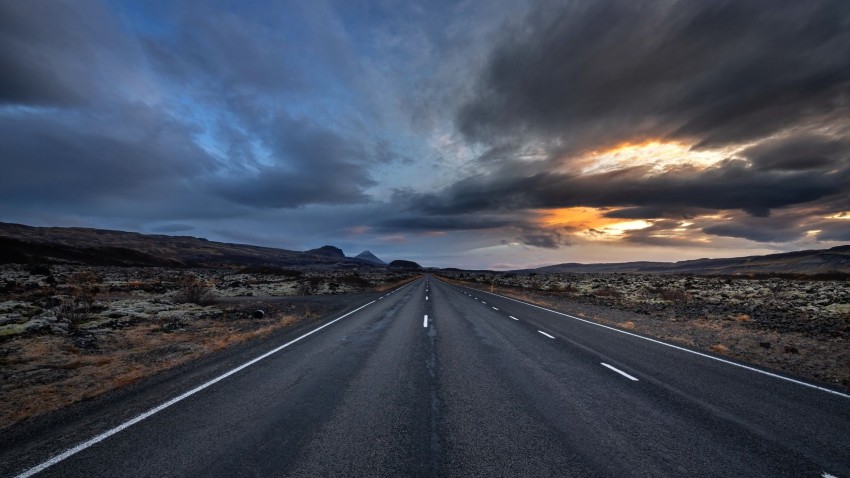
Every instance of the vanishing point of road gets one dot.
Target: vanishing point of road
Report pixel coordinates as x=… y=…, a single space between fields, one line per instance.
x=433 y=379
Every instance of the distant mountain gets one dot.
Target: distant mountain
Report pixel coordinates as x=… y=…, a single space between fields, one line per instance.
x=370 y=258
x=75 y=245
x=822 y=261
x=327 y=251
x=399 y=264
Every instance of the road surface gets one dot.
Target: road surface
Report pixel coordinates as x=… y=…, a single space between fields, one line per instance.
x=438 y=380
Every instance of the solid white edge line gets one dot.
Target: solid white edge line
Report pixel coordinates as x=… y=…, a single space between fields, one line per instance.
x=619 y=371
x=511 y=316
x=103 y=436
x=547 y=335
x=683 y=349
x=425 y=321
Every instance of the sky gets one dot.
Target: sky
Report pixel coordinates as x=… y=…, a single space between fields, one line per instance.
x=476 y=134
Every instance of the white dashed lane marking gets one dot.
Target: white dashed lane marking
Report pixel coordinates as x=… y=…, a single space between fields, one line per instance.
x=620 y=372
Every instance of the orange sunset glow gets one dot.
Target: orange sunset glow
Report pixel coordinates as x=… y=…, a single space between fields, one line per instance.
x=655 y=154
x=590 y=222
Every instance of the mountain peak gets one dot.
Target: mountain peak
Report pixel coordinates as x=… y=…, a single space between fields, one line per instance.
x=369 y=257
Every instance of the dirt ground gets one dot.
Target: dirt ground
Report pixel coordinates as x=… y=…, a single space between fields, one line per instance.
x=801 y=328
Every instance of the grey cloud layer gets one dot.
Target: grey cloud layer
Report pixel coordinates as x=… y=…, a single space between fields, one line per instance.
x=575 y=76
x=263 y=110
x=318 y=167
x=585 y=73
x=80 y=158
x=65 y=53
x=733 y=185
x=94 y=110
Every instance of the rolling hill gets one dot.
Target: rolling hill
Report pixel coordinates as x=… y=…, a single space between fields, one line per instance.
x=821 y=261
x=27 y=244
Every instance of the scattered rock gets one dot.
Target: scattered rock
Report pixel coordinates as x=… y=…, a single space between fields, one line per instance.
x=258 y=314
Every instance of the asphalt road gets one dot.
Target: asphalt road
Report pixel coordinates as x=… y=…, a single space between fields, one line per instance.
x=434 y=380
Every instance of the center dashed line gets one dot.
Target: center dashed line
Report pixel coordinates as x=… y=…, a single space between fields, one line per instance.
x=547 y=335
x=425 y=321
x=511 y=316
x=619 y=371
x=495 y=308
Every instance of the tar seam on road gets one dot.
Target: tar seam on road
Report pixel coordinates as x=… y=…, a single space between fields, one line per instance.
x=619 y=371
x=746 y=367
x=547 y=335
x=103 y=436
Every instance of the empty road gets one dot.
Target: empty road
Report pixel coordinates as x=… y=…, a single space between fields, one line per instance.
x=438 y=380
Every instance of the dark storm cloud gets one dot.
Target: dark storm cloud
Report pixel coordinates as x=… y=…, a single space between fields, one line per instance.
x=216 y=126
x=790 y=224
x=780 y=228
x=579 y=74
x=234 y=51
x=800 y=153
x=277 y=188
x=253 y=65
x=756 y=232
x=544 y=238
x=310 y=165
x=80 y=158
x=652 y=212
x=529 y=233
x=732 y=185
x=835 y=231
x=667 y=233
x=444 y=223
x=62 y=53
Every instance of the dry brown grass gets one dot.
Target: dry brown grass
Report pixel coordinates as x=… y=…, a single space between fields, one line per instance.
x=193 y=289
x=719 y=348
x=45 y=373
x=628 y=325
x=607 y=292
